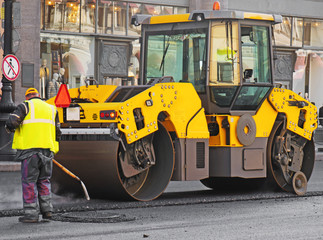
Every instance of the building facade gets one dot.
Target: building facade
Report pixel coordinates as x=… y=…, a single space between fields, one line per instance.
x=94 y=40
x=76 y=41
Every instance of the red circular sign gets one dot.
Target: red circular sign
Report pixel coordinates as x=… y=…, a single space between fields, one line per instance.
x=11 y=67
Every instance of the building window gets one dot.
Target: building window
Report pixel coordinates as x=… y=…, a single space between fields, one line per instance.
x=282 y=32
x=180 y=10
x=51 y=15
x=313 y=32
x=105 y=16
x=88 y=16
x=101 y=17
x=114 y=17
x=71 y=17
x=119 y=18
x=42 y=15
x=62 y=16
x=299 y=32
x=68 y=58
x=297 y=38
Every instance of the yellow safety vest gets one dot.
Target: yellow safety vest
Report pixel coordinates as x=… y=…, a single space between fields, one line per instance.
x=38 y=128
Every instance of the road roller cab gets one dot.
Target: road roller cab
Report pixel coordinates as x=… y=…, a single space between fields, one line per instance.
x=206 y=110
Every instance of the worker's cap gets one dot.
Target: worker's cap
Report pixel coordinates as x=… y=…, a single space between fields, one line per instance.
x=30 y=91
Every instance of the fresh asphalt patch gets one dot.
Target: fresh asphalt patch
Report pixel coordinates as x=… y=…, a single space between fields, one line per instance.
x=92 y=217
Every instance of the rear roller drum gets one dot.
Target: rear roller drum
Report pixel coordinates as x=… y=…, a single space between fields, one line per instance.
x=290 y=160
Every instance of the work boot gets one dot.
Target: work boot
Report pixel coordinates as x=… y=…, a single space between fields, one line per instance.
x=28 y=219
x=47 y=215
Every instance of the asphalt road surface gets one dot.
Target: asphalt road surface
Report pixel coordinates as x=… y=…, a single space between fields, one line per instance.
x=293 y=218
x=187 y=210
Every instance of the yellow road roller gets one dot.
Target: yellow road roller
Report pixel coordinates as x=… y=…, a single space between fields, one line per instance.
x=206 y=109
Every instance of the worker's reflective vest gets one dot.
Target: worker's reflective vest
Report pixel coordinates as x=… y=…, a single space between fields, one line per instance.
x=38 y=129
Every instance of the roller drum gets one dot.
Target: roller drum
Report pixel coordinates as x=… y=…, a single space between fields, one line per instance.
x=97 y=164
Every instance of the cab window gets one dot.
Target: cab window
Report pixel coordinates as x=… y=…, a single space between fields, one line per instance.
x=180 y=54
x=224 y=77
x=224 y=56
x=255 y=54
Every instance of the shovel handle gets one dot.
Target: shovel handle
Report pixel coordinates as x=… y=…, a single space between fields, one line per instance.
x=66 y=170
x=73 y=176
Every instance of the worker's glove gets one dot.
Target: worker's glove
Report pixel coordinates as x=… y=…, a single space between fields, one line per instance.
x=9 y=130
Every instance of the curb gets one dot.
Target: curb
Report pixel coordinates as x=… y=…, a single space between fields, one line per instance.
x=10 y=166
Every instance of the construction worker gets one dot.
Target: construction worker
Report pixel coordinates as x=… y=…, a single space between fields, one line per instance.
x=36 y=128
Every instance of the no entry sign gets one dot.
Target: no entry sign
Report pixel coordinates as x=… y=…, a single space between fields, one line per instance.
x=10 y=67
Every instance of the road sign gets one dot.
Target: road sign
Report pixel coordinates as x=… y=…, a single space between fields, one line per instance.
x=10 y=67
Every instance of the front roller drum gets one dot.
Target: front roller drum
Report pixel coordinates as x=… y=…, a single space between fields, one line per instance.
x=97 y=163
x=152 y=182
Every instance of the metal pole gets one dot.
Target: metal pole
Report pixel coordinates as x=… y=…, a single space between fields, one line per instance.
x=6 y=105
x=80 y=19
x=96 y=16
x=44 y=13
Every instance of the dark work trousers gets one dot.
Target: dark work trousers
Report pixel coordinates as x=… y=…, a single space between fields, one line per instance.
x=36 y=172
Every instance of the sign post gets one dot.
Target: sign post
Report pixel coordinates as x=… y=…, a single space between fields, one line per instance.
x=7 y=106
